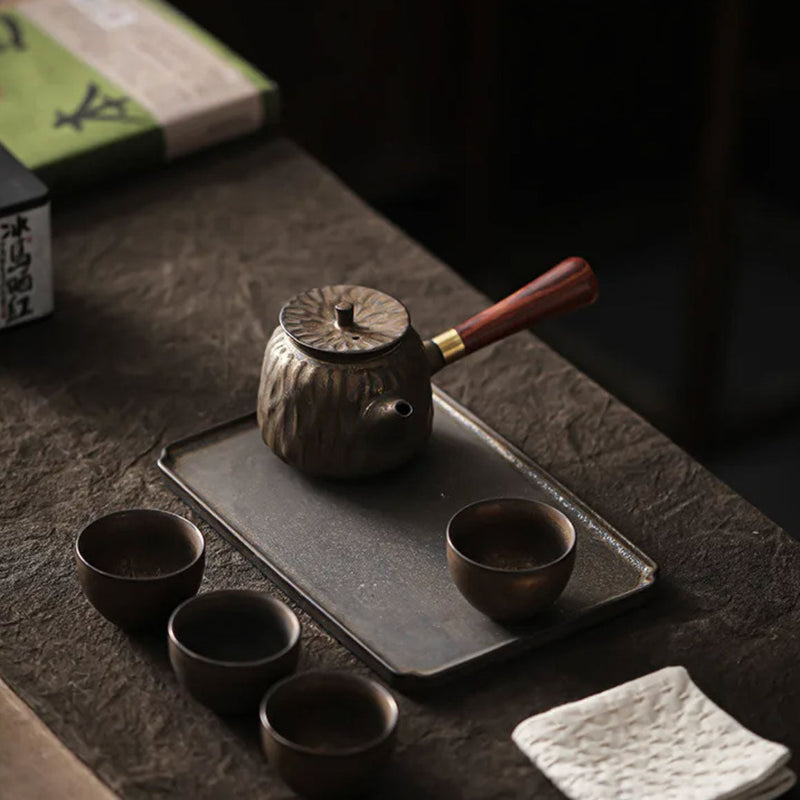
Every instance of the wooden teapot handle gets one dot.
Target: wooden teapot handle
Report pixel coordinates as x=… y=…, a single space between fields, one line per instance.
x=569 y=285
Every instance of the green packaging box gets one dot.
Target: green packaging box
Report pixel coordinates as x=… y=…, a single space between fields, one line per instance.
x=91 y=87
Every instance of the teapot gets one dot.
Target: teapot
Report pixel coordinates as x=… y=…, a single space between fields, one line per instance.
x=345 y=387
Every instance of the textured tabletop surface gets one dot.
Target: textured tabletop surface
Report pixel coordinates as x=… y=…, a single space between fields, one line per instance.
x=167 y=289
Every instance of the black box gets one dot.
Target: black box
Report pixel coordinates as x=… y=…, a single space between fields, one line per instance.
x=26 y=273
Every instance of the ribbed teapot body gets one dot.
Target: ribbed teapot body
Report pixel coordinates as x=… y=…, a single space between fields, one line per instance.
x=345 y=418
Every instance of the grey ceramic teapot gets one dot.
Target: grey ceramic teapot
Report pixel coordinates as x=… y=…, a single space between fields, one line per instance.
x=345 y=384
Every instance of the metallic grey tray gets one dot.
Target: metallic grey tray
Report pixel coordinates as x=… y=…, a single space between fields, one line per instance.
x=367 y=559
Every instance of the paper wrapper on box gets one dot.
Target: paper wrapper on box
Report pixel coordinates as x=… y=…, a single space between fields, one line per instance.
x=92 y=87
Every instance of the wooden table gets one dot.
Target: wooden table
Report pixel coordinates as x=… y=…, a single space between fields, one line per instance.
x=167 y=288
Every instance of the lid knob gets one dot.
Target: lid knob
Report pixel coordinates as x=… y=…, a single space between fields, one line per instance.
x=344 y=314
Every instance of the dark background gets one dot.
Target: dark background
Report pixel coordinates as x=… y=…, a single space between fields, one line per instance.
x=657 y=140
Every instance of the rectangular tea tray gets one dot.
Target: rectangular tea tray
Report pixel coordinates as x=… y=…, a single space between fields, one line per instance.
x=367 y=558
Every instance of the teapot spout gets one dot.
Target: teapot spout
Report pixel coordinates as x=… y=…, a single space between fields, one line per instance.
x=387 y=416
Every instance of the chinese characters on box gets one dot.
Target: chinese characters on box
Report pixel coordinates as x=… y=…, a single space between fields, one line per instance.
x=25 y=269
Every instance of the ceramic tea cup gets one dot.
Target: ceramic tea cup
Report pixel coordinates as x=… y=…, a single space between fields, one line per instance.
x=135 y=566
x=328 y=734
x=228 y=647
x=510 y=558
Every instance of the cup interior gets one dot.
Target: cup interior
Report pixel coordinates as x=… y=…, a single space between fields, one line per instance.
x=140 y=544
x=234 y=627
x=511 y=534
x=329 y=713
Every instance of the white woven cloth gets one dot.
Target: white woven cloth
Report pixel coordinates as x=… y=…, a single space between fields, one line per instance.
x=657 y=737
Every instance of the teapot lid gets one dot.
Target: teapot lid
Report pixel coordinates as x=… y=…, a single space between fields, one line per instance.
x=344 y=321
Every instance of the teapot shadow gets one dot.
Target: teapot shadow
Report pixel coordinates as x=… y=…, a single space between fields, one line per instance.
x=418 y=494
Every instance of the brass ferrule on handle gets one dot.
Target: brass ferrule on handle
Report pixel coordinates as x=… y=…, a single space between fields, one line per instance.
x=451 y=345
